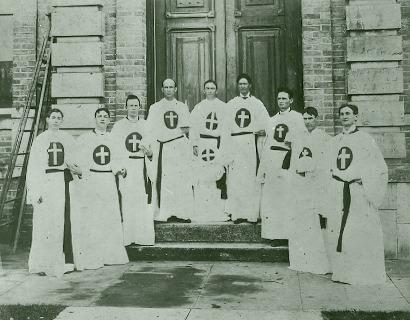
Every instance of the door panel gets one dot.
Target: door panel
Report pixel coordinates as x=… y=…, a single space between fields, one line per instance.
x=190 y=63
x=197 y=40
x=262 y=58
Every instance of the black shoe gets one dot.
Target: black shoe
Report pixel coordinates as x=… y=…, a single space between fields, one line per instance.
x=179 y=220
x=238 y=221
x=41 y=274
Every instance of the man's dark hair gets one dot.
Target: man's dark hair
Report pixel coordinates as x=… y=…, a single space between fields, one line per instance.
x=102 y=110
x=353 y=107
x=132 y=97
x=54 y=110
x=244 y=76
x=311 y=110
x=210 y=81
x=286 y=90
x=175 y=83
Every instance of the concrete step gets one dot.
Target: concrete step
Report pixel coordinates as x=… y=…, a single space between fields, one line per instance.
x=215 y=232
x=205 y=251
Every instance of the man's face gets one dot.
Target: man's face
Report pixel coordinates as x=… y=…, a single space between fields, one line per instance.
x=169 y=89
x=102 y=119
x=310 y=121
x=347 y=117
x=134 y=108
x=244 y=86
x=210 y=91
x=54 y=121
x=284 y=101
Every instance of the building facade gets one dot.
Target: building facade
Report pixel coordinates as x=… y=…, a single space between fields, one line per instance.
x=328 y=51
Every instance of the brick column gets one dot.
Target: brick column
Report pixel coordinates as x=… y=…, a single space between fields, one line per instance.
x=131 y=52
x=317 y=59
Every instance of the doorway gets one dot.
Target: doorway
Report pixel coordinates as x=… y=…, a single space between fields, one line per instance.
x=192 y=41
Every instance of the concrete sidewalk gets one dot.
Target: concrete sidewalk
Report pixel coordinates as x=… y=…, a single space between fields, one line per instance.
x=199 y=290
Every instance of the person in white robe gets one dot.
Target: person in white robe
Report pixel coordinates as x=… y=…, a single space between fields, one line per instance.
x=135 y=186
x=208 y=135
x=168 y=126
x=247 y=118
x=310 y=186
x=277 y=204
x=51 y=153
x=96 y=220
x=361 y=176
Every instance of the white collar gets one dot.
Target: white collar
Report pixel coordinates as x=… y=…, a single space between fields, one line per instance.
x=286 y=111
x=350 y=130
x=246 y=96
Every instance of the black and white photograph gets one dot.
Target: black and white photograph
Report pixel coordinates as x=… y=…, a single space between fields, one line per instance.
x=205 y=159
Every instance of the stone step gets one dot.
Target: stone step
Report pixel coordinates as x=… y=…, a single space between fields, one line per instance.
x=215 y=232
x=204 y=251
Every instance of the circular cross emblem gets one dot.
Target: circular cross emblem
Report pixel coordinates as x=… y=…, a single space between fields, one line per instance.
x=243 y=118
x=208 y=155
x=102 y=155
x=171 y=119
x=55 y=154
x=132 y=142
x=281 y=131
x=211 y=122
x=344 y=158
x=305 y=153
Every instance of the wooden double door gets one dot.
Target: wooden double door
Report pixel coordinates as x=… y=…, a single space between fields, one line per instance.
x=192 y=41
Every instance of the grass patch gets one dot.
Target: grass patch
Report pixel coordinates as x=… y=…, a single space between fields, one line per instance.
x=365 y=315
x=30 y=312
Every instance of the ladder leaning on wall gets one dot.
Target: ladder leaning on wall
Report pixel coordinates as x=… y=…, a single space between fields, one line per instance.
x=12 y=208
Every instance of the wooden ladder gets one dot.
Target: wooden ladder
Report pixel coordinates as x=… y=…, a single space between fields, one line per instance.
x=40 y=88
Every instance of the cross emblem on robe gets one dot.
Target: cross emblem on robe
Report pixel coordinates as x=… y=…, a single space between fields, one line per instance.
x=306 y=152
x=208 y=155
x=344 y=158
x=211 y=122
x=281 y=131
x=55 y=154
x=132 y=142
x=171 y=119
x=243 y=118
x=102 y=155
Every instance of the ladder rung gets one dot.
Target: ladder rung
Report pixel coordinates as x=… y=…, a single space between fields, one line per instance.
x=11 y=200
x=23 y=153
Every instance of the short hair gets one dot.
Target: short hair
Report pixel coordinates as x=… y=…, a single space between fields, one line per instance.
x=311 y=111
x=54 y=110
x=175 y=83
x=353 y=107
x=132 y=97
x=244 y=76
x=102 y=110
x=210 y=81
x=286 y=90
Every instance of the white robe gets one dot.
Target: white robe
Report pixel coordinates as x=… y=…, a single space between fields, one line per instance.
x=361 y=258
x=172 y=154
x=310 y=186
x=137 y=214
x=208 y=133
x=245 y=117
x=50 y=151
x=96 y=219
x=277 y=203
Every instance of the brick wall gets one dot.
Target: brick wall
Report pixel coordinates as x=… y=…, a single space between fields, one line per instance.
x=131 y=52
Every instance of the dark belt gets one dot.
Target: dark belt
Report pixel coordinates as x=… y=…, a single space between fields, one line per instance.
x=288 y=156
x=256 y=145
x=159 y=171
x=207 y=136
x=221 y=185
x=67 y=242
x=346 y=209
x=100 y=171
x=54 y=170
x=147 y=181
